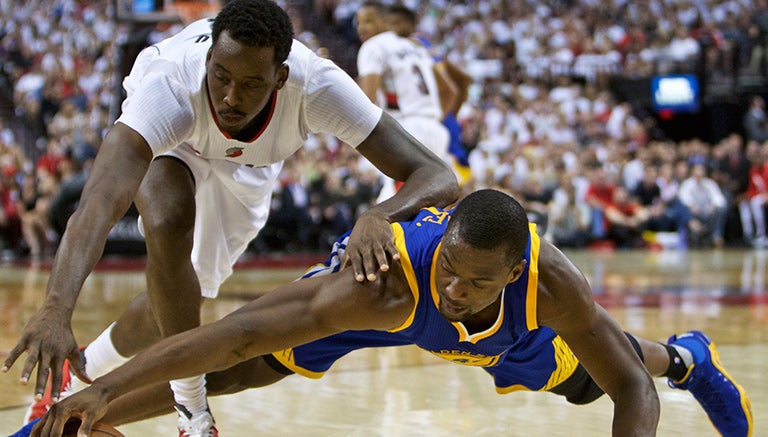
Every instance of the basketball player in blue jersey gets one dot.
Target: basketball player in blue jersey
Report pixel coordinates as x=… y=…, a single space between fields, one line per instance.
x=210 y=115
x=476 y=286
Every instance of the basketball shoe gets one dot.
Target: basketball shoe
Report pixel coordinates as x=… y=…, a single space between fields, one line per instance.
x=201 y=425
x=724 y=401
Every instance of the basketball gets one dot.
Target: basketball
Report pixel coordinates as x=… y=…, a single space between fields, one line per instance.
x=98 y=430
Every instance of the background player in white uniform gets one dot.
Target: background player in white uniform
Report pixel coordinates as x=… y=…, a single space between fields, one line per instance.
x=398 y=74
x=211 y=113
x=452 y=86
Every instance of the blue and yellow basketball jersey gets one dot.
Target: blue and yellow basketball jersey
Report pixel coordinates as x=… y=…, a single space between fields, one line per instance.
x=515 y=350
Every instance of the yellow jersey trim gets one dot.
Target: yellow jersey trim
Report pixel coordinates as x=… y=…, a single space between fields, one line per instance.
x=533 y=280
x=410 y=275
x=566 y=363
x=285 y=357
x=511 y=388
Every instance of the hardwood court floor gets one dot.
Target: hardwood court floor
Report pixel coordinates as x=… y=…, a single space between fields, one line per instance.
x=406 y=392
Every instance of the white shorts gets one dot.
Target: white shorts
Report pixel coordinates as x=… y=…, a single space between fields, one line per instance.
x=430 y=132
x=232 y=206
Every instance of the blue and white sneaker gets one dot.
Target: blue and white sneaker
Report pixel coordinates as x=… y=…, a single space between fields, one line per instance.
x=25 y=430
x=724 y=401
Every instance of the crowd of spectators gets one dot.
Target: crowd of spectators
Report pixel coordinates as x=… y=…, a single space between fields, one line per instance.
x=540 y=122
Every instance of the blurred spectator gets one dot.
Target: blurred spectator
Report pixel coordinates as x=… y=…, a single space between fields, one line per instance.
x=52 y=157
x=289 y=225
x=756 y=121
x=706 y=203
x=69 y=121
x=666 y=212
x=599 y=195
x=75 y=170
x=752 y=206
x=10 y=220
x=626 y=220
x=536 y=198
x=37 y=191
x=569 y=219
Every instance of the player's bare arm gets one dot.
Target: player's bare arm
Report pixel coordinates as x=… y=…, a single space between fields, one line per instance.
x=297 y=313
x=428 y=181
x=370 y=84
x=47 y=338
x=447 y=89
x=566 y=305
x=460 y=78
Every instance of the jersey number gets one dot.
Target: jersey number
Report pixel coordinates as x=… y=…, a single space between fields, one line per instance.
x=438 y=218
x=421 y=84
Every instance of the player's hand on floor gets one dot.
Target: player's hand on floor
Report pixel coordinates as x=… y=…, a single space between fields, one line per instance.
x=370 y=248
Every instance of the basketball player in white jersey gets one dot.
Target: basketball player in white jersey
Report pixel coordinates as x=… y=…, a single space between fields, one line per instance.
x=210 y=115
x=397 y=74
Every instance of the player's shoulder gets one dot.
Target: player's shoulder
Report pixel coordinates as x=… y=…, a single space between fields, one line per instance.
x=561 y=285
x=303 y=63
x=382 y=41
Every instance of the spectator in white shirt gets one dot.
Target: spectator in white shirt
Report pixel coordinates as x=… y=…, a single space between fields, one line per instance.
x=706 y=202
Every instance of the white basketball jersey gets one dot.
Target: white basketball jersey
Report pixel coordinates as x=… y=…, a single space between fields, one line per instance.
x=168 y=105
x=407 y=75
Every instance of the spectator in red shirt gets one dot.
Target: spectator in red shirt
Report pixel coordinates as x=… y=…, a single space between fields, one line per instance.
x=598 y=196
x=626 y=219
x=752 y=207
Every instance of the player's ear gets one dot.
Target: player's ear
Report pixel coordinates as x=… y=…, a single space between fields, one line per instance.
x=209 y=54
x=516 y=271
x=282 y=75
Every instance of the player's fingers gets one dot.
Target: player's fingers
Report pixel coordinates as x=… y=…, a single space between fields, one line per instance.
x=13 y=356
x=380 y=254
x=56 y=378
x=42 y=379
x=370 y=266
x=29 y=364
x=346 y=261
x=85 y=426
x=44 y=428
x=392 y=250
x=54 y=426
x=357 y=267
x=77 y=366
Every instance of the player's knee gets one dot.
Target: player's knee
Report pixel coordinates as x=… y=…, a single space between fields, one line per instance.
x=168 y=223
x=253 y=373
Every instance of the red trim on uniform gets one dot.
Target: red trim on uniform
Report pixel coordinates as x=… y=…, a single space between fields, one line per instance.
x=391 y=99
x=266 y=123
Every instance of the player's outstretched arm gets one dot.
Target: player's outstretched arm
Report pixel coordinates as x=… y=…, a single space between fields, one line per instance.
x=566 y=305
x=294 y=314
x=120 y=165
x=428 y=181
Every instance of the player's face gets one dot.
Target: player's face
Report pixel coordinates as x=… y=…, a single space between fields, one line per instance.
x=400 y=26
x=241 y=79
x=370 y=23
x=470 y=280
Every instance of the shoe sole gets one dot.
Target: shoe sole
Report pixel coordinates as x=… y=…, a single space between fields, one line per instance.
x=746 y=404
